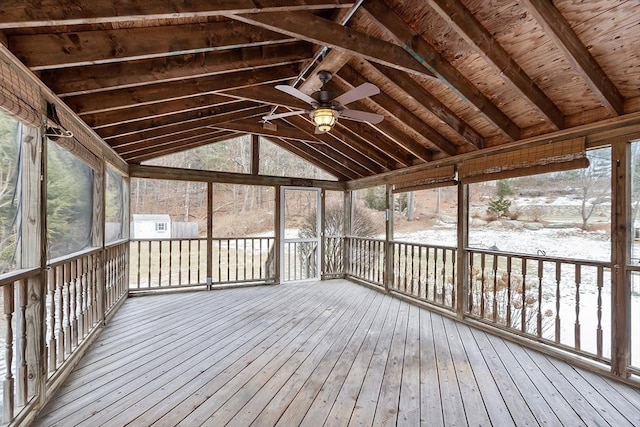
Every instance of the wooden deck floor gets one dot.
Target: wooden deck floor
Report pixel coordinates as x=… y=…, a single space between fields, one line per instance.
x=322 y=353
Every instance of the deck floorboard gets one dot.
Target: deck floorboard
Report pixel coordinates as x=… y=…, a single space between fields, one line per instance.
x=328 y=353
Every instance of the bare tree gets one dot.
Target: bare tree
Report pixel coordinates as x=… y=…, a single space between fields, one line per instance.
x=594 y=183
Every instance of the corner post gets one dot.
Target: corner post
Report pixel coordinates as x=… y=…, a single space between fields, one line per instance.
x=323 y=248
x=620 y=277
x=347 y=227
x=277 y=242
x=462 y=265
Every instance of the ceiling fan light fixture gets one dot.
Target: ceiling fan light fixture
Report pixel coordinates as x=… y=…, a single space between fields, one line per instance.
x=324 y=118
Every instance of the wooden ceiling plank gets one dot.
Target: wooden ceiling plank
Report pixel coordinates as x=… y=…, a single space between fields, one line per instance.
x=314 y=29
x=372 y=162
x=151 y=111
x=472 y=31
x=316 y=157
x=162 y=92
x=151 y=136
x=433 y=104
x=446 y=73
x=559 y=30
x=266 y=94
x=101 y=77
x=59 y=50
x=21 y=13
x=397 y=110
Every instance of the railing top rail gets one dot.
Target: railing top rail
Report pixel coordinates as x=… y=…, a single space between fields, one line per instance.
x=183 y=239
x=547 y=258
x=72 y=257
x=425 y=245
x=372 y=239
x=116 y=243
x=12 y=276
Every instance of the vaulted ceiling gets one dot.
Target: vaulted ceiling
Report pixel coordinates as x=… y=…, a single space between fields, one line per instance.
x=456 y=76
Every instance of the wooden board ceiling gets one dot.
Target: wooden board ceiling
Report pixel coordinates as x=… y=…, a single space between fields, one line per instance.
x=457 y=76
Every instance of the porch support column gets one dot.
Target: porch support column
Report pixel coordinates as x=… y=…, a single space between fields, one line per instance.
x=323 y=199
x=388 y=238
x=346 y=231
x=620 y=277
x=255 y=154
x=32 y=253
x=277 y=242
x=462 y=264
x=98 y=238
x=209 y=234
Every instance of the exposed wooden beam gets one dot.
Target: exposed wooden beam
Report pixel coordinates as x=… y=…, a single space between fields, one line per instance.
x=161 y=172
x=266 y=94
x=317 y=156
x=150 y=136
x=559 y=30
x=332 y=62
x=397 y=110
x=369 y=162
x=151 y=111
x=433 y=104
x=156 y=152
x=470 y=29
x=44 y=51
x=100 y=77
x=25 y=13
x=312 y=28
x=162 y=92
x=379 y=12
x=255 y=155
x=204 y=135
x=253 y=126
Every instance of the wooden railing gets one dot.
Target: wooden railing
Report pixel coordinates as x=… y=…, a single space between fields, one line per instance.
x=425 y=272
x=561 y=301
x=366 y=259
x=20 y=343
x=78 y=292
x=173 y=263
x=300 y=260
x=334 y=256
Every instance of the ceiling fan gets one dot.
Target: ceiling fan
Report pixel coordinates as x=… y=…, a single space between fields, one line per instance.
x=327 y=107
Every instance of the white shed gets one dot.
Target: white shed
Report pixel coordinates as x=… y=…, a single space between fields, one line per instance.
x=151 y=226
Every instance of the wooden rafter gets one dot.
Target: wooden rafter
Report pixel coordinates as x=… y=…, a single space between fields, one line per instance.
x=395 y=109
x=21 y=13
x=560 y=31
x=314 y=29
x=162 y=92
x=44 y=51
x=332 y=62
x=467 y=26
x=433 y=104
x=100 y=77
x=136 y=150
x=430 y=58
x=152 y=137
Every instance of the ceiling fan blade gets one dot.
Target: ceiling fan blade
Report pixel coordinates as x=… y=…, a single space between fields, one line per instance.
x=281 y=115
x=362 y=116
x=363 y=91
x=296 y=93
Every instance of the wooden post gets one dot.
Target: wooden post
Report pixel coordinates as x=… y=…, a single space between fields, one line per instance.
x=277 y=243
x=255 y=154
x=323 y=202
x=620 y=277
x=388 y=240
x=98 y=239
x=462 y=267
x=209 y=234
x=31 y=361
x=126 y=225
x=346 y=231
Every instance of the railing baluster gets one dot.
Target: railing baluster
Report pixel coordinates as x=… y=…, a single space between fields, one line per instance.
x=482 y=287
x=138 y=245
x=523 y=311
x=7 y=386
x=444 y=276
x=22 y=391
x=52 y=319
x=180 y=262
x=160 y=242
x=170 y=261
x=509 y=294
x=66 y=305
x=599 y=312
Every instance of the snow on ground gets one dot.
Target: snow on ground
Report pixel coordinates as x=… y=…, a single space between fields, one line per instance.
x=562 y=243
